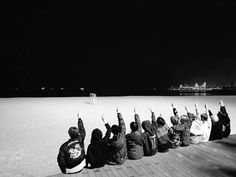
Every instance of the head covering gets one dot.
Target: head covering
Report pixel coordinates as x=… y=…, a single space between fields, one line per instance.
x=191 y=116
x=183 y=119
x=133 y=126
x=174 y=120
x=115 y=129
x=214 y=118
x=161 y=121
x=146 y=125
x=204 y=117
x=96 y=135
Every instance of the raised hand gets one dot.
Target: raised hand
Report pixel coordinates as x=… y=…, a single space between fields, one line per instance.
x=186 y=109
x=103 y=119
x=196 y=106
x=117 y=110
x=77 y=114
x=150 y=109
x=206 y=107
x=221 y=103
x=134 y=110
x=172 y=105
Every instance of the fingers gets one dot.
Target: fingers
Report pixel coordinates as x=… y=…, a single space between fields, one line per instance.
x=134 y=110
x=186 y=108
x=150 y=109
x=206 y=106
x=103 y=118
x=221 y=103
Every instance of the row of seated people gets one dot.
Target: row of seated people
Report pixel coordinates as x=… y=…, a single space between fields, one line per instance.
x=155 y=136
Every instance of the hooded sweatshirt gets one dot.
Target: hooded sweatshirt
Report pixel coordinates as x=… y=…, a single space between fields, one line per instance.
x=149 y=139
x=97 y=149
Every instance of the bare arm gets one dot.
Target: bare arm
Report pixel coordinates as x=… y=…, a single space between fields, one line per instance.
x=174 y=110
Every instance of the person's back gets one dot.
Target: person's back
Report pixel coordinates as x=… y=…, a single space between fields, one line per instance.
x=184 y=130
x=71 y=156
x=174 y=136
x=97 y=149
x=134 y=140
x=224 y=120
x=149 y=139
x=164 y=142
x=117 y=152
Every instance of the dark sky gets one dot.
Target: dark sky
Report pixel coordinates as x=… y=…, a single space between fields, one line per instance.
x=71 y=43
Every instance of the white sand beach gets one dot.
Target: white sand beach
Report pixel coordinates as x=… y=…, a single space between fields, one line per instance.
x=32 y=129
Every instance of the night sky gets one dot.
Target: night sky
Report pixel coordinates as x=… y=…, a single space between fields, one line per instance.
x=118 y=45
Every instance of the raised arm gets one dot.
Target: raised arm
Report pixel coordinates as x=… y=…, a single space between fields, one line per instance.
x=174 y=110
x=222 y=108
x=196 y=109
x=81 y=128
x=108 y=132
x=121 y=123
x=137 y=120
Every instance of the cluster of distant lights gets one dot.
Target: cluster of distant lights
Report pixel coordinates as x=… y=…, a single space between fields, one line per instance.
x=44 y=88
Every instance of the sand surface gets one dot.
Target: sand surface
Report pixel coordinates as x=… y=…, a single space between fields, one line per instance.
x=32 y=129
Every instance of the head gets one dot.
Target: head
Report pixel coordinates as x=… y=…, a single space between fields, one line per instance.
x=146 y=125
x=174 y=120
x=115 y=129
x=73 y=132
x=191 y=116
x=204 y=117
x=183 y=119
x=133 y=126
x=96 y=135
x=213 y=117
x=160 y=121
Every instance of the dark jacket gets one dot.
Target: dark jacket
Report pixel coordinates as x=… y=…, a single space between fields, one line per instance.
x=97 y=149
x=117 y=152
x=63 y=158
x=184 y=130
x=149 y=139
x=134 y=141
x=225 y=121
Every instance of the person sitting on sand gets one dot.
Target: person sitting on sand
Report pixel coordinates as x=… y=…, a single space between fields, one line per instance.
x=134 y=139
x=149 y=139
x=97 y=149
x=206 y=125
x=183 y=128
x=196 y=131
x=71 y=157
x=174 y=136
x=163 y=141
x=224 y=118
x=117 y=149
x=220 y=123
